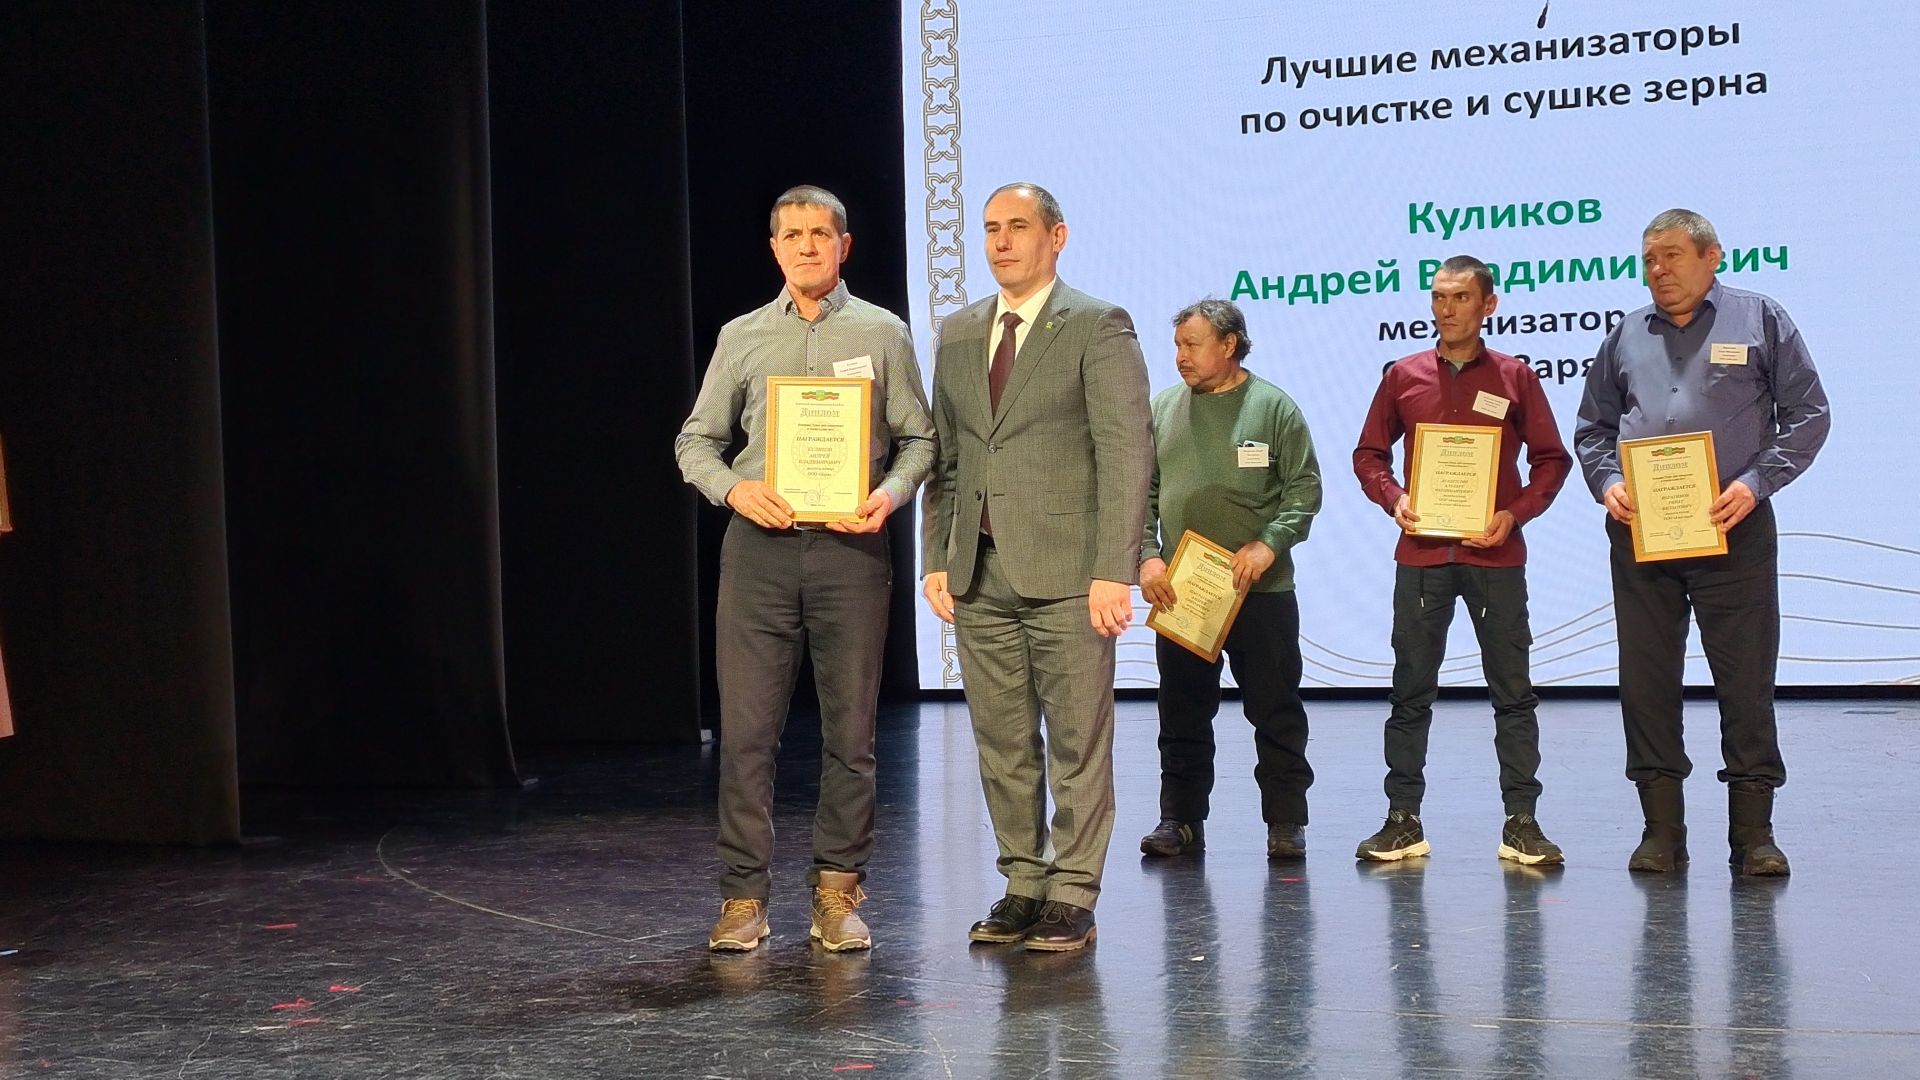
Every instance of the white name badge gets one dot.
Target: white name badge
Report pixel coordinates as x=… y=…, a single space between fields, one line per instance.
x=860 y=367
x=1491 y=404
x=1729 y=354
x=1252 y=455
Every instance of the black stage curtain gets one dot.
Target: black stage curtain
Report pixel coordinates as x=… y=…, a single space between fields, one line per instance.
x=777 y=97
x=352 y=223
x=593 y=335
x=280 y=558
x=113 y=591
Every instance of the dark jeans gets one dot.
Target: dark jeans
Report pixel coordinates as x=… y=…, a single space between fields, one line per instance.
x=781 y=592
x=1264 y=649
x=1423 y=603
x=1736 y=600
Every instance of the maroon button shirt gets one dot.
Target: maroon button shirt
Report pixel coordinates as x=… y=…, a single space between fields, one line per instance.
x=1424 y=389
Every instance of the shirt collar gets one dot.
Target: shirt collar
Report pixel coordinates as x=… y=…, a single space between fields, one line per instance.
x=1476 y=358
x=1028 y=311
x=1709 y=302
x=829 y=303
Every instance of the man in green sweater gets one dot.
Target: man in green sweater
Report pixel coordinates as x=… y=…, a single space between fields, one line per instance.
x=1234 y=463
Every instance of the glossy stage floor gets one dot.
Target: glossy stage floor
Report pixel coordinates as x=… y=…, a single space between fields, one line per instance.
x=561 y=931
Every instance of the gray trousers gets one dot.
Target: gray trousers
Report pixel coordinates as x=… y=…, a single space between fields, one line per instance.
x=1022 y=660
x=781 y=592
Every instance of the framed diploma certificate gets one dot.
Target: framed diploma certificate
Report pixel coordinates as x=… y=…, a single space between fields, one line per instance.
x=1672 y=482
x=1452 y=479
x=1205 y=600
x=818 y=445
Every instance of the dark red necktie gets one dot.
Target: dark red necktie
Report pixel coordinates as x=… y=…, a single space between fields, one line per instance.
x=1002 y=360
x=997 y=373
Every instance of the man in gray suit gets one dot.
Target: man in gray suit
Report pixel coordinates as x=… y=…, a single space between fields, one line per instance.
x=1033 y=524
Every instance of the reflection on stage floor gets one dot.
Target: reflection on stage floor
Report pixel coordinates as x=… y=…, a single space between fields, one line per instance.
x=561 y=931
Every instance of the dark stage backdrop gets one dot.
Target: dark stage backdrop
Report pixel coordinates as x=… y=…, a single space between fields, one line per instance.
x=344 y=346
x=113 y=593
x=593 y=336
x=774 y=99
x=351 y=217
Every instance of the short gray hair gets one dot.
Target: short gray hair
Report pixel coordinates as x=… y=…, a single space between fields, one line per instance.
x=1225 y=318
x=1050 y=213
x=1695 y=225
x=808 y=195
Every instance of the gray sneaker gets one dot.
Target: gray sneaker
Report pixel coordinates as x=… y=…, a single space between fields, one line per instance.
x=1286 y=841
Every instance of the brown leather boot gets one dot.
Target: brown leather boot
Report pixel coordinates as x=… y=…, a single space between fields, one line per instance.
x=742 y=926
x=835 y=926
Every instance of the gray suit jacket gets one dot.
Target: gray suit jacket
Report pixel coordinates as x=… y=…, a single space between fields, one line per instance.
x=1066 y=460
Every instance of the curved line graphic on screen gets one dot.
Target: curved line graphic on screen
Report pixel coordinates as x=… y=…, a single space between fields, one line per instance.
x=945 y=214
x=1573 y=641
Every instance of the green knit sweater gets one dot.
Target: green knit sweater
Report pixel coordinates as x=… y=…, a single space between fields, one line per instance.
x=1199 y=484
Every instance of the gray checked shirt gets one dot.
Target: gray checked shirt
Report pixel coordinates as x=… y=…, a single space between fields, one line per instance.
x=776 y=340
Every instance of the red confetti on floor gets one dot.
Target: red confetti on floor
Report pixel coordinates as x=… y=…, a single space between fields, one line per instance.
x=282 y=926
x=339 y=989
x=297 y=1003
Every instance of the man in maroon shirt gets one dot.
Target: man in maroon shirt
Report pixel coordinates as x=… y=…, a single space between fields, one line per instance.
x=1462 y=382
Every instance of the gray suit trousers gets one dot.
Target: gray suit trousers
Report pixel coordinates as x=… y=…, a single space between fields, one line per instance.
x=1021 y=660
x=781 y=592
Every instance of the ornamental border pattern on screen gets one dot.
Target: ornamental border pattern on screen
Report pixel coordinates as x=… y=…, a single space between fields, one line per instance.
x=945 y=213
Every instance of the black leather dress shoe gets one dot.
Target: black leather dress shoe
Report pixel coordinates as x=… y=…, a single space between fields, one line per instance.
x=1061 y=928
x=1008 y=920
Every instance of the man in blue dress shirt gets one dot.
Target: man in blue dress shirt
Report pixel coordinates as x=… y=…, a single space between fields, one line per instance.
x=1702 y=357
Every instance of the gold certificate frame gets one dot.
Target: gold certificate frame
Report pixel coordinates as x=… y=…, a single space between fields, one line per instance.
x=1453 y=478
x=819 y=445
x=1201 y=574
x=1673 y=482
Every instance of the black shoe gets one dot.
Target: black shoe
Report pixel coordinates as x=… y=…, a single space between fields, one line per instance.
x=1008 y=920
x=1750 y=831
x=1062 y=928
x=1663 y=843
x=1522 y=841
x=1286 y=842
x=1662 y=849
x=1171 y=838
x=1400 y=838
